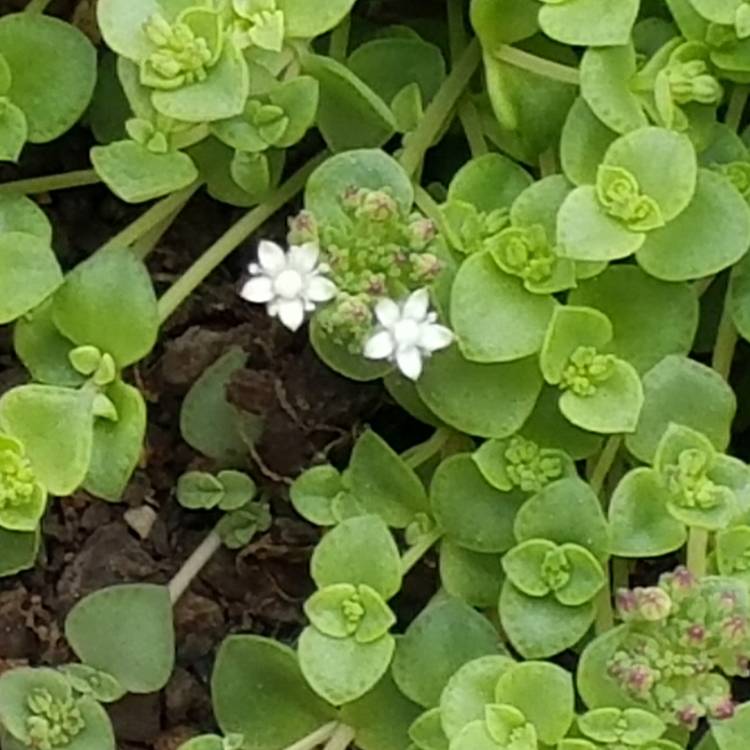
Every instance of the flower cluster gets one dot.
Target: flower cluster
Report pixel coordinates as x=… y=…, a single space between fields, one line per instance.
x=586 y=370
x=530 y=467
x=54 y=722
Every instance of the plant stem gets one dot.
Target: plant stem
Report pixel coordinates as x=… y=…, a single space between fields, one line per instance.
x=341 y=738
x=736 y=108
x=36 y=6
x=316 y=738
x=605 y=616
x=620 y=573
x=151 y=218
x=726 y=340
x=426 y=204
x=232 y=238
x=339 y=43
x=440 y=109
x=548 y=162
x=697 y=551
x=143 y=247
x=538 y=65
x=35 y=185
x=423 y=452
x=193 y=565
x=414 y=554
x=472 y=125
x=604 y=463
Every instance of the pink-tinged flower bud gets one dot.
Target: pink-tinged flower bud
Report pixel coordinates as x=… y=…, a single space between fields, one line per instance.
x=639 y=679
x=696 y=634
x=682 y=578
x=724 y=709
x=734 y=628
x=688 y=716
x=427 y=267
x=422 y=231
x=654 y=604
x=728 y=601
x=352 y=197
x=303 y=228
x=743 y=666
x=627 y=603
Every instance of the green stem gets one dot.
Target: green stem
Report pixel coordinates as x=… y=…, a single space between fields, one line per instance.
x=726 y=340
x=440 y=109
x=316 y=738
x=548 y=162
x=151 y=218
x=37 y=6
x=620 y=573
x=737 y=103
x=604 y=463
x=457 y=36
x=538 y=65
x=143 y=247
x=341 y=738
x=423 y=452
x=427 y=205
x=47 y=184
x=339 y=43
x=232 y=238
x=471 y=122
x=605 y=616
x=697 y=551
x=414 y=554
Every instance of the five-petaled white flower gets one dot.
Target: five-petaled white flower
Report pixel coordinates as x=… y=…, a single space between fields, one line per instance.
x=408 y=333
x=290 y=284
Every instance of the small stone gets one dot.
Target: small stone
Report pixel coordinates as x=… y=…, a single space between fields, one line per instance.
x=141 y=520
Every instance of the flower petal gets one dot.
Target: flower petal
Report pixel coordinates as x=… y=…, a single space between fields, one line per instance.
x=435 y=337
x=321 y=289
x=409 y=361
x=272 y=257
x=379 y=346
x=304 y=257
x=291 y=313
x=417 y=305
x=258 y=289
x=387 y=312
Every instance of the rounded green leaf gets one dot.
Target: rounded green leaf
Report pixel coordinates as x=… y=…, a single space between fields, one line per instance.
x=524 y=566
x=504 y=21
x=644 y=152
x=489 y=182
x=427 y=731
x=39 y=416
x=539 y=204
x=586 y=577
x=474 y=736
x=690 y=247
x=488 y=400
x=472 y=512
x=739 y=296
x=199 y=490
x=239 y=489
x=350 y=115
x=342 y=670
x=606 y=74
x=594 y=684
x=404 y=392
x=304 y=21
x=583 y=143
x=732 y=734
x=641 y=525
x=25 y=517
x=589 y=23
x=313 y=492
x=475 y=577
x=733 y=552
x=586 y=232
x=671 y=389
x=29 y=273
x=89 y=681
x=114 y=286
x=358 y=551
x=21 y=214
x=126 y=631
x=544 y=694
x=20 y=550
x=258 y=691
x=443 y=637
x=664 y=321
x=135 y=174
x=117 y=446
x=470 y=690
x=13 y=131
x=613 y=409
x=383 y=483
x=565 y=512
x=494 y=317
x=52 y=86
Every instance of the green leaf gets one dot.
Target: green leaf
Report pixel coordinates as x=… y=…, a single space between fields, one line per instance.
x=613 y=409
x=446 y=635
x=238 y=489
x=690 y=247
x=19 y=550
x=488 y=400
x=472 y=512
x=383 y=483
x=739 y=296
x=524 y=565
x=350 y=115
x=475 y=577
x=21 y=214
x=135 y=174
x=504 y=21
x=672 y=388
x=596 y=687
x=304 y=21
x=299 y=98
x=343 y=670
x=587 y=577
x=427 y=731
x=543 y=693
x=589 y=23
x=52 y=86
x=13 y=131
x=489 y=182
x=733 y=552
x=252 y=172
x=640 y=523
x=209 y=423
x=29 y=273
x=37 y=415
x=117 y=446
x=637 y=337
x=313 y=492
x=365 y=716
x=475 y=736
x=470 y=689
x=731 y=734
x=583 y=143
x=113 y=286
x=404 y=392
x=258 y=691
x=358 y=551
x=198 y=490
x=494 y=317
x=126 y=631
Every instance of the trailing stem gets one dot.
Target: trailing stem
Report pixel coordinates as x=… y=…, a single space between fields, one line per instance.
x=737 y=103
x=697 y=551
x=36 y=185
x=604 y=463
x=726 y=340
x=423 y=452
x=414 y=554
x=193 y=566
x=341 y=738
x=539 y=65
x=317 y=738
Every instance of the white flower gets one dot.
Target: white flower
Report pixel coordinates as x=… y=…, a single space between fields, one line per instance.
x=407 y=333
x=290 y=284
